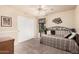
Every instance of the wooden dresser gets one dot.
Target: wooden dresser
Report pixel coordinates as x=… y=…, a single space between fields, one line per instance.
x=6 y=45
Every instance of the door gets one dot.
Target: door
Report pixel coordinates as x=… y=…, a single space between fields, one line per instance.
x=25 y=28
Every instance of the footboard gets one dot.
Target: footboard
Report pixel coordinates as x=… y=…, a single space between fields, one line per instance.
x=61 y=43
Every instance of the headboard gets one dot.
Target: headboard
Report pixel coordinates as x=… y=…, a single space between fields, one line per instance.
x=60 y=31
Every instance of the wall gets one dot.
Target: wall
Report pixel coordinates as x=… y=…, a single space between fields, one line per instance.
x=66 y=16
x=77 y=18
x=14 y=13
x=8 y=31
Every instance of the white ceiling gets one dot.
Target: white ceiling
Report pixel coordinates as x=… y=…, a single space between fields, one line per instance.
x=47 y=9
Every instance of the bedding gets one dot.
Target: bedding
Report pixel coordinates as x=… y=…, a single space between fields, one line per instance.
x=60 y=43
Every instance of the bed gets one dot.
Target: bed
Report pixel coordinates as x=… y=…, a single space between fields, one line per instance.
x=59 y=41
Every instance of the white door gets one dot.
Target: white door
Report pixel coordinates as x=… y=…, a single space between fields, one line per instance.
x=25 y=28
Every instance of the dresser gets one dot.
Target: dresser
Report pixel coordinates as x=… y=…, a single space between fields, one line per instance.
x=6 y=45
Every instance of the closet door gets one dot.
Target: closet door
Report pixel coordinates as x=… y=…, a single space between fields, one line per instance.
x=25 y=28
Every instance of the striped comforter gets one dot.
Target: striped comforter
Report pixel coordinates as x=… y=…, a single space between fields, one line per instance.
x=59 y=42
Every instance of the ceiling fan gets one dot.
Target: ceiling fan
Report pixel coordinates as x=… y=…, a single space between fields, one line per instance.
x=44 y=10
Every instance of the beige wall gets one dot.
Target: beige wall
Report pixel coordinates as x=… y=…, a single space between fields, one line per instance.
x=66 y=16
x=14 y=13
x=8 y=31
x=77 y=18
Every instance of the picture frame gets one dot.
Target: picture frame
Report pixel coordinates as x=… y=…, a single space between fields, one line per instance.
x=6 y=21
x=57 y=20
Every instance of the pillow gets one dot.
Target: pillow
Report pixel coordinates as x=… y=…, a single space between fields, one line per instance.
x=48 y=32
x=68 y=35
x=45 y=31
x=52 y=32
x=73 y=30
x=72 y=36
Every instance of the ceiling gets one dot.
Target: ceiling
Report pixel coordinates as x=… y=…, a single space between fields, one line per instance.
x=42 y=10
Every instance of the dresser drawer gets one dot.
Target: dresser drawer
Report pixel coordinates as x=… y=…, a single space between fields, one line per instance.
x=7 y=47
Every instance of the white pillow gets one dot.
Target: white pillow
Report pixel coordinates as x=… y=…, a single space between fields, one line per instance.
x=72 y=36
x=48 y=32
